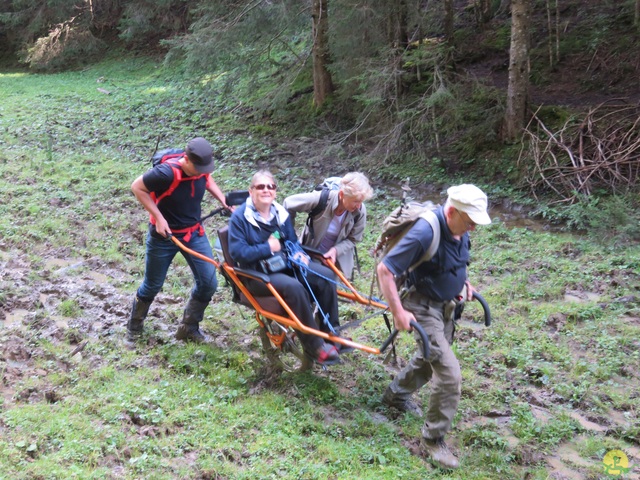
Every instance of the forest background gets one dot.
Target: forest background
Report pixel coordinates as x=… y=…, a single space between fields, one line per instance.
x=536 y=102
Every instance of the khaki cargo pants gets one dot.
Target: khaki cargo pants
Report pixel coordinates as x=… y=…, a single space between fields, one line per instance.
x=442 y=366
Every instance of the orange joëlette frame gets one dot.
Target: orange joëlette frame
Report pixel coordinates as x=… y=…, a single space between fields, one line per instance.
x=292 y=321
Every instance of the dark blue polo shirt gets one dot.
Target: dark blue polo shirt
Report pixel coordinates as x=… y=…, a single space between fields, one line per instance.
x=442 y=277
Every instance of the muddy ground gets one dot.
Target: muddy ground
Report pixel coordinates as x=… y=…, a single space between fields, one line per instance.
x=33 y=313
x=34 y=306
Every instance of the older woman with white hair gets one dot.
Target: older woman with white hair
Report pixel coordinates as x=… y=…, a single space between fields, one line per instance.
x=337 y=228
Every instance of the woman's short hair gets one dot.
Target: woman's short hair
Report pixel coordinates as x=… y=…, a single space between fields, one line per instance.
x=356 y=185
x=262 y=173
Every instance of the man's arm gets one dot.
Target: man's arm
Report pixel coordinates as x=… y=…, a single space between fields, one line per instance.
x=143 y=195
x=469 y=289
x=214 y=190
x=402 y=318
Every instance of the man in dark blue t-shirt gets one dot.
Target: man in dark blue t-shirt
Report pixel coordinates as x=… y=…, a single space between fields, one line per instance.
x=433 y=287
x=172 y=193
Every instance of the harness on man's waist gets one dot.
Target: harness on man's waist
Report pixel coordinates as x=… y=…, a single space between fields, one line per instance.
x=178 y=178
x=188 y=232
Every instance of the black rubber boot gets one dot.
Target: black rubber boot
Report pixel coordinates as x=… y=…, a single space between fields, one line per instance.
x=139 y=311
x=189 y=329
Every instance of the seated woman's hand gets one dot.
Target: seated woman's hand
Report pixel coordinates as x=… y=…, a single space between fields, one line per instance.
x=274 y=244
x=331 y=254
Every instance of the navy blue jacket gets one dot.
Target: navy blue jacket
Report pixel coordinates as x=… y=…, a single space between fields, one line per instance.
x=248 y=238
x=440 y=278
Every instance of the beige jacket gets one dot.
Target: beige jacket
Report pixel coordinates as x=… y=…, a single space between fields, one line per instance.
x=351 y=231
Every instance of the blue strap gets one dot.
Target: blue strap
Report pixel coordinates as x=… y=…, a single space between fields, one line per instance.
x=303 y=269
x=290 y=246
x=294 y=249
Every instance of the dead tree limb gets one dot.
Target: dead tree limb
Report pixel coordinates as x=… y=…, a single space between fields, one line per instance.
x=598 y=153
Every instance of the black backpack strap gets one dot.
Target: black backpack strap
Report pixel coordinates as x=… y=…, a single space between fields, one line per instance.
x=156 y=148
x=392 y=353
x=318 y=209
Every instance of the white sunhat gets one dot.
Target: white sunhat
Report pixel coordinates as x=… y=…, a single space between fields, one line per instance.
x=470 y=200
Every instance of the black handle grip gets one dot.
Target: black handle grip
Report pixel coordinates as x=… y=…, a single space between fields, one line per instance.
x=417 y=328
x=217 y=211
x=424 y=337
x=388 y=341
x=485 y=307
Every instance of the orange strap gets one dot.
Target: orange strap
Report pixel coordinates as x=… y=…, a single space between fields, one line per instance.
x=189 y=231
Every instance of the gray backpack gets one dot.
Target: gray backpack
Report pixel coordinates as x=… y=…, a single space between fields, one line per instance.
x=400 y=221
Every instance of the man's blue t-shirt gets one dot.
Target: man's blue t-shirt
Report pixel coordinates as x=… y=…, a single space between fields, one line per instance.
x=442 y=277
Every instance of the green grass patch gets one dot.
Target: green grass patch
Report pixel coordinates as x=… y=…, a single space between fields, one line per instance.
x=563 y=339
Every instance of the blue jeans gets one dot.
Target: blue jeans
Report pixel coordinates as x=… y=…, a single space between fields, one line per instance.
x=159 y=255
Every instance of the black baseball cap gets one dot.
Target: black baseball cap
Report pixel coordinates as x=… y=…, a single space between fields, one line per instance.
x=200 y=153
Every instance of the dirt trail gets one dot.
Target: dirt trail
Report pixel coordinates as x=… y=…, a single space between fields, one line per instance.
x=74 y=302
x=35 y=311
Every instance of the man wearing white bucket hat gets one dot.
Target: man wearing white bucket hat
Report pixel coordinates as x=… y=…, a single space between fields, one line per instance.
x=434 y=288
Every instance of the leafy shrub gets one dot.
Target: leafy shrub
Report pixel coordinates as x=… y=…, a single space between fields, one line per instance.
x=603 y=217
x=65 y=46
x=144 y=23
x=69 y=308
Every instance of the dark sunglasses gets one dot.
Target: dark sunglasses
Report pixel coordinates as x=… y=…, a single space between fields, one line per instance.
x=268 y=186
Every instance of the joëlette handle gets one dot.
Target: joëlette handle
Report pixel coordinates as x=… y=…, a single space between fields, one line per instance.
x=485 y=307
x=417 y=328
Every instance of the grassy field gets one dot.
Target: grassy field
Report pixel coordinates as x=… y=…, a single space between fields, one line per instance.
x=549 y=390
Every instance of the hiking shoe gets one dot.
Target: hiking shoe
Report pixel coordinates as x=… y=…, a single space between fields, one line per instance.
x=344 y=348
x=327 y=355
x=439 y=454
x=403 y=405
x=190 y=333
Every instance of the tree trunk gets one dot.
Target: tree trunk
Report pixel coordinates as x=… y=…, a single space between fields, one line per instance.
x=553 y=27
x=549 y=35
x=483 y=11
x=398 y=25
x=448 y=22
x=518 y=88
x=399 y=41
x=322 y=83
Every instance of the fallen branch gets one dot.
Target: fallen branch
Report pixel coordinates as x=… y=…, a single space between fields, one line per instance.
x=600 y=152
